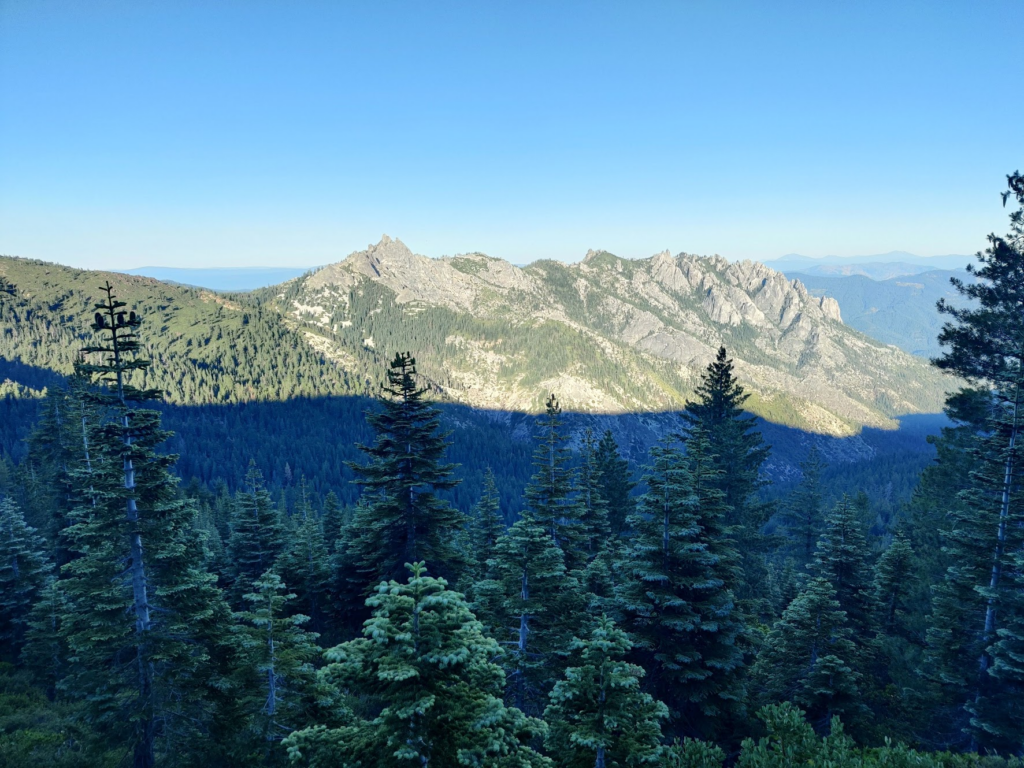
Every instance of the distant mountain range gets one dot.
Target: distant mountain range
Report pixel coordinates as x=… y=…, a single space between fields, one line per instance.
x=879 y=267
x=221 y=278
x=900 y=310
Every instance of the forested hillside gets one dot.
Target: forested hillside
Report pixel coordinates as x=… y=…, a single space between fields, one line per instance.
x=650 y=603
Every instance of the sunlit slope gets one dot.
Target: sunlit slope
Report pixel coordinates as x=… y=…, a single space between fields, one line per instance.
x=609 y=335
x=206 y=348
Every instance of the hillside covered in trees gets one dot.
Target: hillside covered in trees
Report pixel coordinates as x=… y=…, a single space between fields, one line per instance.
x=661 y=608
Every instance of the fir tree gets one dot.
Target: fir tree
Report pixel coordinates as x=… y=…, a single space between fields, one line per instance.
x=894 y=578
x=615 y=486
x=403 y=520
x=258 y=534
x=598 y=714
x=333 y=520
x=594 y=512
x=842 y=558
x=142 y=635
x=677 y=594
x=806 y=658
x=550 y=500
x=486 y=527
x=536 y=611
x=998 y=714
x=278 y=657
x=975 y=602
x=305 y=564
x=804 y=509
x=739 y=453
x=24 y=568
x=425 y=689
x=45 y=652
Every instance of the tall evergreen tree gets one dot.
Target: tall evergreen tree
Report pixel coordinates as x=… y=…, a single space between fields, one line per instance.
x=537 y=606
x=842 y=558
x=677 y=596
x=893 y=583
x=999 y=714
x=425 y=689
x=333 y=520
x=24 y=568
x=486 y=527
x=594 y=508
x=803 y=511
x=806 y=658
x=550 y=500
x=142 y=634
x=57 y=457
x=739 y=452
x=305 y=564
x=615 y=484
x=598 y=715
x=278 y=655
x=403 y=520
x=258 y=535
x=45 y=652
x=985 y=345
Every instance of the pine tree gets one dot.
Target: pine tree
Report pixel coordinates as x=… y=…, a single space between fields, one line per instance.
x=598 y=715
x=677 y=594
x=278 y=655
x=739 y=452
x=536 y=610
x=305 y=563
x=804 y=509
x=24 y=568
x=894 y=577
x=594 y=512
x=258 y=535
x=425 y=689
x=333 y=520
x=45 y=652
x=842 y=558
x=143 y=636
x=976 y=601
x=615 y=486
x=486 y=527
x=806 y=658
x=58 y=455
x=550 y=500
x=998 y=713
x=403 y=520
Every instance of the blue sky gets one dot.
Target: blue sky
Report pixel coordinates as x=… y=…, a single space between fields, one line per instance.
x=292 y=133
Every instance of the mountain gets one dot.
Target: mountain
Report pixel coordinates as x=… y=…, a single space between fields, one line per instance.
x=221 y=278
x=608 y=335
x=281 y=375
x=879 y=267
x=206 y=348
x=900 y=310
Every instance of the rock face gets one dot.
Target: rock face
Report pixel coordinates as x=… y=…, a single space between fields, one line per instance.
x=612 y=335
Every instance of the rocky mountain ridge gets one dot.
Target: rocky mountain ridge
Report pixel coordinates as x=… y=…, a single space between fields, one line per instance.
x=610 y=335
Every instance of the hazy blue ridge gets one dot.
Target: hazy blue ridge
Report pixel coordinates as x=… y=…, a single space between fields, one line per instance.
x=222 y=278
x=878 y=267
x=899 y=310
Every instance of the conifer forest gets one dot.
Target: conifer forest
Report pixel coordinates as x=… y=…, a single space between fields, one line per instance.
x=673 y=612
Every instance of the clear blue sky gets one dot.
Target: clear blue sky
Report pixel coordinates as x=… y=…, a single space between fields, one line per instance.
x=291 y=133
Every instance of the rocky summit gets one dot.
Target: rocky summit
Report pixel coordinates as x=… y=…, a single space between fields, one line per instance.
x=608 y=335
